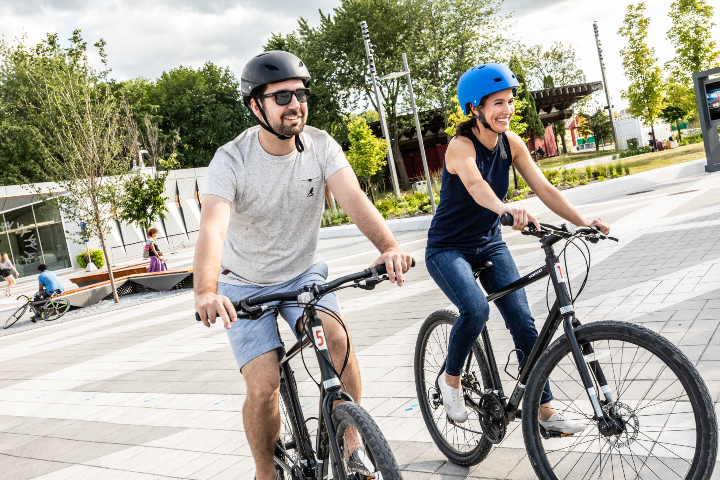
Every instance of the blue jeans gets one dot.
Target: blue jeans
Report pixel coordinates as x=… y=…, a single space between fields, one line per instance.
x=452 y=270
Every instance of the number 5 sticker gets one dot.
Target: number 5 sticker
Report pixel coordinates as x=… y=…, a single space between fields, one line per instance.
x=319 y=338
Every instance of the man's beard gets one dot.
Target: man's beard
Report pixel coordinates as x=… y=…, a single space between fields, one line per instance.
x=289 y=130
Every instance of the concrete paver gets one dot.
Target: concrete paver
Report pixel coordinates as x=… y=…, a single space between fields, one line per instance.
x=145 y=392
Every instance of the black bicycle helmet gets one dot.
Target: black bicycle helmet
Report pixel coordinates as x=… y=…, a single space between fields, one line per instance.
x=271 y=67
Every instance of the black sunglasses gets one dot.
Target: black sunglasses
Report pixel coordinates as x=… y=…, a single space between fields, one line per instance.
x=283 y=97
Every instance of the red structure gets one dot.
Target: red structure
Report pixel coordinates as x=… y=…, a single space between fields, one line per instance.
x=548 y=144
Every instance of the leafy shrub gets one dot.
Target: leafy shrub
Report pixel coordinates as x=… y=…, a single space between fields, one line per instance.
x=690 y=140
x=583 y=182
x=601 y=179
x=97 y=258
x=636 y=151
x=588 y=173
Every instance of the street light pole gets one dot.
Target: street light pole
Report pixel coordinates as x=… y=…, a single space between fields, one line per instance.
x=419 y=134
x=381 y=111
x=607 y=90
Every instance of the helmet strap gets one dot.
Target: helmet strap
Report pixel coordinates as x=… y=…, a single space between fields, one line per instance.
x=485 y=124
x=266 y=125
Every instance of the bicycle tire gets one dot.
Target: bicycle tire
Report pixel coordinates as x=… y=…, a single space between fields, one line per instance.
x=15 y=316
x=641 y=418
x=292 y=431
x=379 y=456
x=54 y=309
x=481 y=447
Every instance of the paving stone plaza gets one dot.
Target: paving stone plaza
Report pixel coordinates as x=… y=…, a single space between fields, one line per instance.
x=146 y=392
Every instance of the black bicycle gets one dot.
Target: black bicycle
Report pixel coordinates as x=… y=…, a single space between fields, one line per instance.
x=339 y=431
x=648 y=412
x=47 y=309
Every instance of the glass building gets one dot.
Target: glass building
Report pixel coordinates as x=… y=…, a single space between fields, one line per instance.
x=34 y=234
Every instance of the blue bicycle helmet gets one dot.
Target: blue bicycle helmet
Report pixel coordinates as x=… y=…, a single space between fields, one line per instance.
x=481 y=81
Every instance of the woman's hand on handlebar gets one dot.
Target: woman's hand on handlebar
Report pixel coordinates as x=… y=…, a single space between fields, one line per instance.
x=210 y=305
x=601 y=224
x=521 y=217
x=397 y=261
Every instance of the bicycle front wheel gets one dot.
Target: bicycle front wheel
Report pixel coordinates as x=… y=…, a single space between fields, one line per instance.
x=294 y=439
x=54 y=309
x=354 y=427
x=665 y=425
x=15 y=316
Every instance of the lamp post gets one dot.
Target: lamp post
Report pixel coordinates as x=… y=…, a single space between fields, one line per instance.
x=381 y=110
x=417 y=125
x=607 y=90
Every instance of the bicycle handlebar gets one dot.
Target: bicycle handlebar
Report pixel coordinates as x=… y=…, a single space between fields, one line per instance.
x=368 y=273
x=506 y=219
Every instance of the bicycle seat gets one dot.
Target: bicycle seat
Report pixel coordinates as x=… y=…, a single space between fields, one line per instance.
x=479 y=268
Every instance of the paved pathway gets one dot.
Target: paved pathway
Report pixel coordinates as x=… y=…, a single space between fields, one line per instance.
x=146 y=392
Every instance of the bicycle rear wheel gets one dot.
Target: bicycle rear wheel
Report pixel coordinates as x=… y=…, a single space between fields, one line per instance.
x=15 y=316
x=666 y=425
x=54 y=309
x=462 y=443
x=354 y=427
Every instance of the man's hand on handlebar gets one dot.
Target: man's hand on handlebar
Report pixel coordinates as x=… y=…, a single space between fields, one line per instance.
x=521 y=217
x=210 y=305
x=601 y=224
x=397 y=261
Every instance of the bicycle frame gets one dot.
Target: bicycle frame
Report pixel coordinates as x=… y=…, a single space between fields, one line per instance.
x=330 y=391
x=563 y=312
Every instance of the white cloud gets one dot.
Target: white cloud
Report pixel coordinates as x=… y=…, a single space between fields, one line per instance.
x=145 y=38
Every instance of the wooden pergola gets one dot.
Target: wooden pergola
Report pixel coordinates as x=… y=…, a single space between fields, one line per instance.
x=553 y=104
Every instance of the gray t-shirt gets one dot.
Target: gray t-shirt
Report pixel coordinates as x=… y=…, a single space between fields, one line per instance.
x=277 y=205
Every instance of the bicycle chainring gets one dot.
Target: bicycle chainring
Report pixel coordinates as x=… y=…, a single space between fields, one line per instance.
x=495 y=426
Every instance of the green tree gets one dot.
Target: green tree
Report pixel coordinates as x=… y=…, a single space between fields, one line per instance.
x=645 y=92
x=81 y=137
x=141 y=198
x=446 y=39
x=560 y=62
x=21 y=153
x=204 y=106
x=367 y=153
x=325 y=110
x=597 y=125
x=691 y=35
x=339 y=40
x=530 y=117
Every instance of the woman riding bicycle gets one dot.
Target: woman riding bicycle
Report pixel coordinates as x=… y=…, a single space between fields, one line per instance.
x=465 y=232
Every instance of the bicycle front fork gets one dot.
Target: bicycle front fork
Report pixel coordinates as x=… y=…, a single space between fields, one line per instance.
x=582 y=356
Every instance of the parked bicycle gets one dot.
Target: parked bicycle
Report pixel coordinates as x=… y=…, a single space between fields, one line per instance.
x=340 y=430
x=47 y=309
x=648 y=411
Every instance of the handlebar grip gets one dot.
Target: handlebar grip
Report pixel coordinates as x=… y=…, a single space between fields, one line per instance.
x=382 y=270
x=236 y=306
x=506 y=219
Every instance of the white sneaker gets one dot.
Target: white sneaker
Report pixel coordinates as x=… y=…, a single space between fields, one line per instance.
x=558 y=423
x=453 y=401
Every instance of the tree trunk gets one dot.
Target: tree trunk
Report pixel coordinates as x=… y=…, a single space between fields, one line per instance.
x=677 y=124
x=562 y=137
x=652 y=129
x=399 y=163
x=107 y=260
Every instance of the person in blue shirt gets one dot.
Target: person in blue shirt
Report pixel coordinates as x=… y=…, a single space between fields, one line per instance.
x=49 y=285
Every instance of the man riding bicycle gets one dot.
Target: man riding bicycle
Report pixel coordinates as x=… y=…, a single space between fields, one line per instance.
x=259 y=227
x=49 y=285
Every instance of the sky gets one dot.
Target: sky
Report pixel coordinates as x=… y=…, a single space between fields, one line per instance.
x=147 y=37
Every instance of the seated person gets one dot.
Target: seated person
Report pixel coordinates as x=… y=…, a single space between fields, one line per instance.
x=49 y=285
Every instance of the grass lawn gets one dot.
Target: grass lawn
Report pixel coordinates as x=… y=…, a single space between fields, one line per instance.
x=571 y=158
x=651 y=161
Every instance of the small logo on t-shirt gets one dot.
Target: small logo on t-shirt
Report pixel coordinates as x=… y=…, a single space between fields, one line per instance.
x=310 y=193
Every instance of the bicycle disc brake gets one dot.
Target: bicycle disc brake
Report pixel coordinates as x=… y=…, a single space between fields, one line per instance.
x=493 y=424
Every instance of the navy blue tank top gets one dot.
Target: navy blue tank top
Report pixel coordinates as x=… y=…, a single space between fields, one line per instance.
x=459 y=220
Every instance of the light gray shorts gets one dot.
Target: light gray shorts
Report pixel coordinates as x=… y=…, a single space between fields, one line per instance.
x=252 y=338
